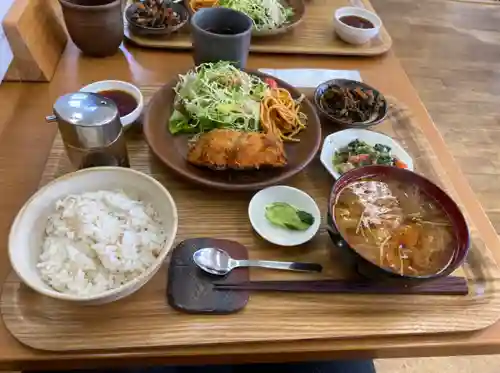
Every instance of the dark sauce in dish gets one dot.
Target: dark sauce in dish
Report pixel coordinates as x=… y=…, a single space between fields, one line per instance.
x=125 y=102
x=356 y=21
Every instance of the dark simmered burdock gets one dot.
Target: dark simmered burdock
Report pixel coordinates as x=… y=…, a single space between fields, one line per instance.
x=155 y=14
x=351 y=104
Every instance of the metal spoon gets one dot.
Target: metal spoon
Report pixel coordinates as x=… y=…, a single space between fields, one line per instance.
x=218 y=262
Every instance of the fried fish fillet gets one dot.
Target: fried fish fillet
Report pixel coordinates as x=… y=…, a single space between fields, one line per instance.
x=222 y=149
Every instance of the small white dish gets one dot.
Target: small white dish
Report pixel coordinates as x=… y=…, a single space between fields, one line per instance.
x=278 y=235
x=106 y=85
x=341 y=139
x=354 y=35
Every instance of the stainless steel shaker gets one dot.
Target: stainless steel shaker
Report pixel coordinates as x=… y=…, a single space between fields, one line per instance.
x=91 y=130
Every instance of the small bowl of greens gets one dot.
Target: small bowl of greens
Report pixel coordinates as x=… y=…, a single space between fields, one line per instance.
x=284 y=215
x=352 y=148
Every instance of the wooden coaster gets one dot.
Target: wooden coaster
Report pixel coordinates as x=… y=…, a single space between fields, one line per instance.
x=190 y=289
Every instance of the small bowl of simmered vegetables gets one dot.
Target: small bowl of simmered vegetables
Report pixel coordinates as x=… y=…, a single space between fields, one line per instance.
x=156 y=17
x=352 y=148
x=350 y=104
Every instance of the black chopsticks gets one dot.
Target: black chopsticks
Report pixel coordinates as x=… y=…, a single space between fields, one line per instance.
x=442 y=286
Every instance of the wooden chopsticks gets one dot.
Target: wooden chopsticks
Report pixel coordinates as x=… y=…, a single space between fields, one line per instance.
x=442 y=286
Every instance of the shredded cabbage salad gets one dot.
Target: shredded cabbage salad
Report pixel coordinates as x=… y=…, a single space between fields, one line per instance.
x=266 y=14
x=217 y=95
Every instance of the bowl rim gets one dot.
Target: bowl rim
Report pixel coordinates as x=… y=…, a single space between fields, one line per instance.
x=345 y=82
x=458 y=219
x=351 y=10
x=199 y=13
x=91 y=8
x=76 y=298
x=128 y=119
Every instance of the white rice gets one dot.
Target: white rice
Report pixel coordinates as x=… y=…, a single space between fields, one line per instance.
x=98 y=241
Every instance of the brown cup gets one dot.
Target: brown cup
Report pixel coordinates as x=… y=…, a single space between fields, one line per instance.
x=95 y=26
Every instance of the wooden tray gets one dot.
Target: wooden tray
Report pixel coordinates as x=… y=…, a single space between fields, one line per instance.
x=145 y=320
x=314 y=35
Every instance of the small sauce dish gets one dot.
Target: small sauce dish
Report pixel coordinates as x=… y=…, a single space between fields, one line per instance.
x=356 y=25
x=276 y=234
x=127 y=97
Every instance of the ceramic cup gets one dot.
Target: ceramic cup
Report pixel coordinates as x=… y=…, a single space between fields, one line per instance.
x=221 y=34
x=95 y=26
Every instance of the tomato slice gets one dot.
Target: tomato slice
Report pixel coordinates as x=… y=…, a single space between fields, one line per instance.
x=271 y=83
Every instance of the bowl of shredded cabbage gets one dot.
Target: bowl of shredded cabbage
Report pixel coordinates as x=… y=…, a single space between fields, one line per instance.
x=270 y=17
x=237 y=103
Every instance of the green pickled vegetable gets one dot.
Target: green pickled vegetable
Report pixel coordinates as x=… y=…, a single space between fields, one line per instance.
x=287 y=216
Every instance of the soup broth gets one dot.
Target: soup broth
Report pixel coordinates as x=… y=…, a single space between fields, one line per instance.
x=395 y=226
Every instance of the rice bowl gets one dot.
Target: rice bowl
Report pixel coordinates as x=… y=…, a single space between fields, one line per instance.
x=120 y=255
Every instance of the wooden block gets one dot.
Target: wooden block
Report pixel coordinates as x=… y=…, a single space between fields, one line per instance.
x=37 y=39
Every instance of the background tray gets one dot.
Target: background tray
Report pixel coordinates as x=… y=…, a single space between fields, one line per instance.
x=314 y=35
x=145 y=320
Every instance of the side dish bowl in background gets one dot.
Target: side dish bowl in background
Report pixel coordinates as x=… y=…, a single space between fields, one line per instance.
x=299 y=10
x=339 y=140
x=458 y=248
x=349 y=103
x=167 y=20
x=27 y=231
x=251 y=9
x=356 y=25
x=127 y=97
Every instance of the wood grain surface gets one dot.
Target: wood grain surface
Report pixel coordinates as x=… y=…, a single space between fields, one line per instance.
x=437 y=42
x=314 y=35
x=144 y=320
x=26 y=140
x=37 y=38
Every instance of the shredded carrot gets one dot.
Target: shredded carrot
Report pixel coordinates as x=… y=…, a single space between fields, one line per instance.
x=198 y=4
x=400 y=164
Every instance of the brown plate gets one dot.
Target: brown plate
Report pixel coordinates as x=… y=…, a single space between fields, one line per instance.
x=299 y=10
x=172 y=150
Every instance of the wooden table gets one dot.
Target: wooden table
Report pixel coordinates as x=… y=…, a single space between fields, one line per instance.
x=25 y=140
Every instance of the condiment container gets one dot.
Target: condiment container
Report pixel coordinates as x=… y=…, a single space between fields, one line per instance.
x=356 y=35
x=91 y=130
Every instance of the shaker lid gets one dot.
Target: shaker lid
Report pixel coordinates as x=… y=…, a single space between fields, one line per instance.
x=85 y=109
x=87 y=120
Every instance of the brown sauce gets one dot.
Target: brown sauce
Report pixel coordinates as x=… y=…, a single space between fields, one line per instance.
x=356 y=21
x=125 y=102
